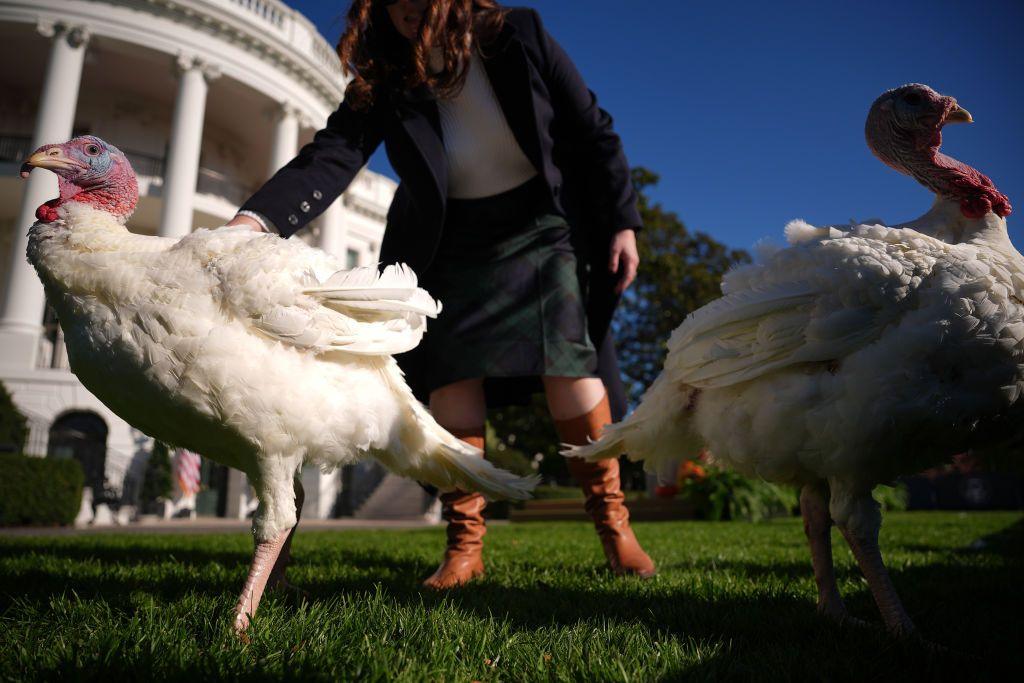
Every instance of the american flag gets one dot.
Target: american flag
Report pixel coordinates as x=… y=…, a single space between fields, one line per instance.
x=186 y=464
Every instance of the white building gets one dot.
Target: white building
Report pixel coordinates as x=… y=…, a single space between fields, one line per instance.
x=208 y=98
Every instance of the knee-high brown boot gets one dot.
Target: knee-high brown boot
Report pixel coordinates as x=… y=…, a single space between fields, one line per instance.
x=463 y=511
x=602 y=488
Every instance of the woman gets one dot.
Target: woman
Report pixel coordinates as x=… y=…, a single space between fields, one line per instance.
x=500 y=149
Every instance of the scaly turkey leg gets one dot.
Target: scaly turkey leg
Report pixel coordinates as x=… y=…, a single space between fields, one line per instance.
x=269 y=562
x=818 y=527
x=869 y=557
x=277 y=579
x=263 y=561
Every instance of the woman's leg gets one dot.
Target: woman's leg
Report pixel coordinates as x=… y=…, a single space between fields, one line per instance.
x=579 y=406
x=460 y=408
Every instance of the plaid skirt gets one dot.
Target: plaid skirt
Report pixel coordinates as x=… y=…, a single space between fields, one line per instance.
x=512 y=306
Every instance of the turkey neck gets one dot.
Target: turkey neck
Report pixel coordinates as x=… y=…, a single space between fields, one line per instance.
x=952 y=179
x=83 y=248
x=945 y=221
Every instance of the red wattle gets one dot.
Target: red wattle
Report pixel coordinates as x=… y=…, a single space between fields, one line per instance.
x=47 y=213
x=975 y=207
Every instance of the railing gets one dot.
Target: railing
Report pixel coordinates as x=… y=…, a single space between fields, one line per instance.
x=145 y=164
x=220 y=185
x=15 y=148
x=266 y=10
x=295 y=28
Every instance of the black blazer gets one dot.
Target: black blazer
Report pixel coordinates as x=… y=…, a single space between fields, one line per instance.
x=554 y=118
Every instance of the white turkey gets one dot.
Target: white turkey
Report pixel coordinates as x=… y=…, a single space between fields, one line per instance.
x=853 y=356
x=257 y=352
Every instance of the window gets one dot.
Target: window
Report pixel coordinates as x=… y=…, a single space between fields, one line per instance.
x=351 y=259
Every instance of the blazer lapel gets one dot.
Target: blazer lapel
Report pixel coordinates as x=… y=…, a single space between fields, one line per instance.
x=423 y=124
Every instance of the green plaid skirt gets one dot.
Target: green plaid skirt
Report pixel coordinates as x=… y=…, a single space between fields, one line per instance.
x=506 y=274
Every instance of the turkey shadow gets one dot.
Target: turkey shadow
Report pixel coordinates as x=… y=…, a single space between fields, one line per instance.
x=751 y=631
x=975 y=608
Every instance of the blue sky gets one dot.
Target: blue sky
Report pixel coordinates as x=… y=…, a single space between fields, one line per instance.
x=753 y=112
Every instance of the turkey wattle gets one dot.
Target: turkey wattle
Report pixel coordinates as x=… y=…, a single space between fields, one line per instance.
x=259 y=353
x=853 y=356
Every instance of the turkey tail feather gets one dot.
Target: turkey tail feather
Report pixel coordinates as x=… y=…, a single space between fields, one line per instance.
x=658 y=431
x=428 y=453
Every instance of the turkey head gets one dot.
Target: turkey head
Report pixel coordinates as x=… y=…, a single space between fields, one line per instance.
x=89 y=171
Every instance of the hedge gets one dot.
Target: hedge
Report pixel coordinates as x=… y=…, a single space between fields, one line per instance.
x=13 y=425
x=39 y=491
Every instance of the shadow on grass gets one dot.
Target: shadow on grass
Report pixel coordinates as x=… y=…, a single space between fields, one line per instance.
x=970 y=607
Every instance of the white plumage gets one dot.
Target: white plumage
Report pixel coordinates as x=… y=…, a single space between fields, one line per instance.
x=842 y=361
x=853 y=357
x=258 y=352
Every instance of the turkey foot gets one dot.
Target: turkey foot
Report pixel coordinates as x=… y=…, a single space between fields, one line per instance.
x=818 y=528
x=869 y=557
x=263 y=561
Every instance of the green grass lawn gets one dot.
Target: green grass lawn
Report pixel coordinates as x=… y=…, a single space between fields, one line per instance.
x=732 y=600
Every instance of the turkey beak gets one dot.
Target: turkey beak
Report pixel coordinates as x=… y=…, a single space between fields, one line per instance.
x=51 y=158
x=959 y=115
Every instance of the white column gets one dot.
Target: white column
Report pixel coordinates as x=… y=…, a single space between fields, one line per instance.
x=286 y=137
x=186 y=141
x=21 y=310
x=332 y=230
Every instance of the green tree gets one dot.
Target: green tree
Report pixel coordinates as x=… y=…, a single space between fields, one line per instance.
x=157 y=481
x=13 y=425
x=680 y=271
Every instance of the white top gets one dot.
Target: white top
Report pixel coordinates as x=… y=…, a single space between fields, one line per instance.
x=484 y=158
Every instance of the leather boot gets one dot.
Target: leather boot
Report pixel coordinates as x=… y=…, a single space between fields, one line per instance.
x=463 y=511
x=603 y=491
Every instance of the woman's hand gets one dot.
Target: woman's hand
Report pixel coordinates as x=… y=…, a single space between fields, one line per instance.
x=245 y=221
x=623 y=258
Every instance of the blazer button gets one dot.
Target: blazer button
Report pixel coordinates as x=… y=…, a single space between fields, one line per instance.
x=304 y=206
x=317 y=194
x=293 y=219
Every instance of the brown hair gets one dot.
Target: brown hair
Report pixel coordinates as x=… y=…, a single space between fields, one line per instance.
x=378 y=58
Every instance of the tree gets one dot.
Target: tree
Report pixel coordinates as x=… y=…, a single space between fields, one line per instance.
x=13 y=425
x=680 y=271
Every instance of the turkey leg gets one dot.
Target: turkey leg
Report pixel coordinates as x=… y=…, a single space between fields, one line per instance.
x=269 y=562
x=277 y=579
x=863 y=541
x=818 y=528
x=263 y=561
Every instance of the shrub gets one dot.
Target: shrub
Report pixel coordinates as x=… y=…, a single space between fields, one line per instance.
x=39 y=491
x=503 y=455
x=13 y=425
x=891 y=497
x=724 y=494
x=157 y=482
